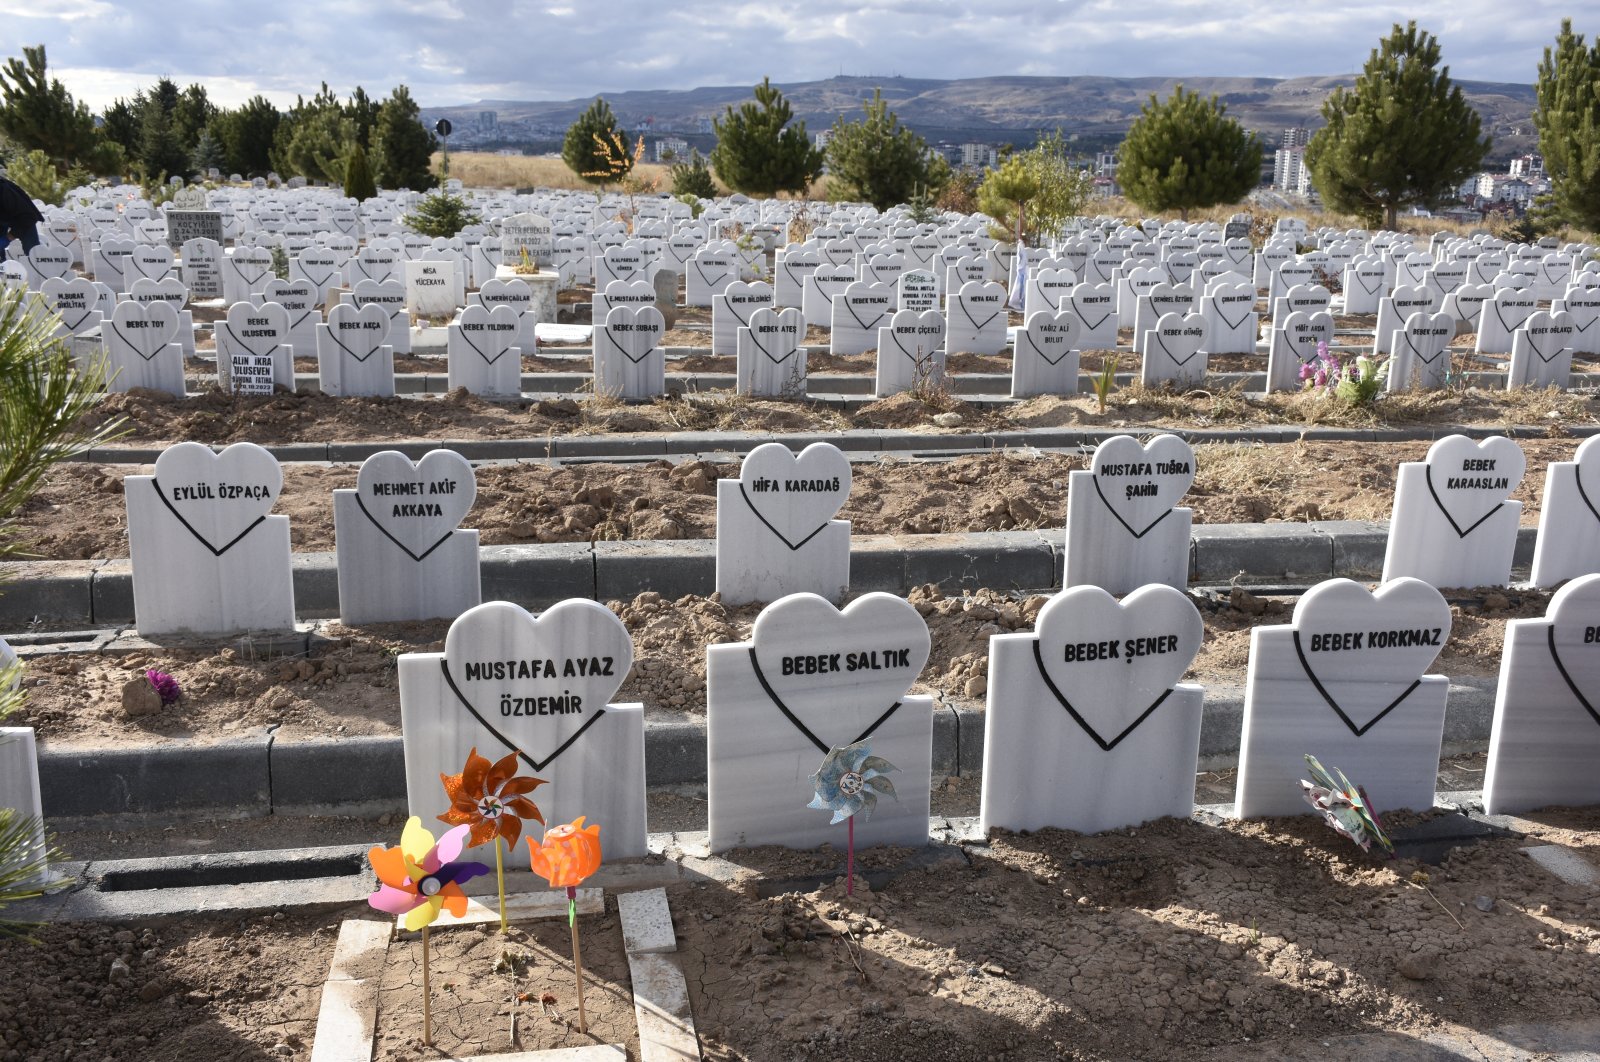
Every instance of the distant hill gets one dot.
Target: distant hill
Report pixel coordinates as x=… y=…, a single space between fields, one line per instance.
x=994 y=109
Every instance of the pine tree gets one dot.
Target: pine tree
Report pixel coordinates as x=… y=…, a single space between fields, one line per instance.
x=402 y=147
x=160 y=149
x=358 y=182
x=247 y=134
x=1042 y=185
x=207 y=154
x=1403 y=136
x=192 y=112
x=442 y=214
x=593 y=147
x=1184 y=153
x=38 y=113
x=878 y=161
x=1568 y=120
x=692 y=177
x=756 y=154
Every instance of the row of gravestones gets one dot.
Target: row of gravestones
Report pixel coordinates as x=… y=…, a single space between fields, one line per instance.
x=208 y=556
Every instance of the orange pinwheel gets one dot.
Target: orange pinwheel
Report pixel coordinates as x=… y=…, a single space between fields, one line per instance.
x=490 y=799
x=569 y=854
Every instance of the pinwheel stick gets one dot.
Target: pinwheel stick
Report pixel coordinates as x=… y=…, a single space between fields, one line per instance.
x=427 y=994
x=500 y=876
x=850 y=857
x=577 y=955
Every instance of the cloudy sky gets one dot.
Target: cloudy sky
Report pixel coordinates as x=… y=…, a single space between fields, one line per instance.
x=460 y=51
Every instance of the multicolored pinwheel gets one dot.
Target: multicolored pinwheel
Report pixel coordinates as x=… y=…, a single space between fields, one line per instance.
x=419 y=877
x=1345 y=806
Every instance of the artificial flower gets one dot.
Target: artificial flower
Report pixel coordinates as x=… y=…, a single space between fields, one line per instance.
x=490 y=799
x=419 y=877
x=849 y=782
x=569 y=854
x=165 y=685
x=1345 y=806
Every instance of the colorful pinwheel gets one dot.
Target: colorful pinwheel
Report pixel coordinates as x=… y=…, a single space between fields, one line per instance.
x=569 y=854
x=849 y=781
x=1345 y=806
x=420 y=877
x=490 y=799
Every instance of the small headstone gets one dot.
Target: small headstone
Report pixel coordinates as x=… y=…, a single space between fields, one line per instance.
x=483 y=352
x=1420 y=355
x=186 y=225
x=911 y=352
x=1541 y=351
x=253 y=352
x=1174 y=350
x=731 y=310
x=858 y=312
x=1096 y=308
x=1569 y=518
x=825 y=283
x=391 y=295
x=776 y=532
x=1295 y=344
x=1502 y=315
x=1045 y=355
x=1453 y=522
x=353 y=355
x=140 y=348
x=628 y=360
x=1124 y=526
x=975 y=319
x=770 y=361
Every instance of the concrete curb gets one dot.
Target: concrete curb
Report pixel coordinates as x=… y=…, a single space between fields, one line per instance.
x=261 y=775
x=99 y=593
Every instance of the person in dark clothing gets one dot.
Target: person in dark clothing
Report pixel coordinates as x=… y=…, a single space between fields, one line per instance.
x=19 y=218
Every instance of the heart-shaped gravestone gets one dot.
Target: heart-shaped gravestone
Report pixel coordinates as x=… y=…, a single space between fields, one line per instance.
x=251 y=265
x=624 y=263
x=1309 y=298
x=1233 y=302
x=627 y=293
x=144 y=329
x=1369 y=277
x=358 y=330
x=679 y=249
x=298 y=297
x=1365 y=652
x=257 y=330
x=1555 y=270
x=714 y=269
x=1093 y=303
x=74 y=299
x=1292 y=273
x=1112 y=665
x=1427 y=336
x=742 y=299
x=634 y=331
x=508 y=292
x=885 y=268
x=1303 y=331
x=1448 y=276
x=795 y=495
x=865 y=305
x=916 y=335
x=218 y=497
x=1549 y=333
x=319 y=266
x=777 y=333
x=796 y=267
x=489 y=333
x=1101 y=266
x=1469 y=302
x=831 y=280
x=1140 y=484
x=1413 y=268
x=1178 y=338
x=416 y=505
x=1053 y=334
x=151 y=263
x=1574 y=634
x=978 y=305
x=839 y=252
x=171 y=290
x=838 y=674
x=49 y=262
x=1511 y=307
x=536 y=684
x=1238 y=251
x=1470 y=480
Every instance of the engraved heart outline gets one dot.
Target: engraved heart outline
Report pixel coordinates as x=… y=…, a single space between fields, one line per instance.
x=360 y=313
x=1145 y=449
x=465 y=338
x=1067 y=345
x=914 y=358
x=414 y=472
x=153 y=348
x=1168 y=352
x=778 y=319
x=1077 y=309
x=624 y=351
x=218 y=459
x=816 y=452
x=1427 y=466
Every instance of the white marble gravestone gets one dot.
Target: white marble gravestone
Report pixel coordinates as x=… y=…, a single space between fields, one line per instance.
x=813 y=678
x=45 y=262
x=1230 y=313
x=789 y=276
x=769 y=359
x=1124 y=526
x=1541 y=351
x=1453 y=524
x=353 y=357
x=1502 y=315
x=1096 y=307
x=975 y=319
x=253 y=352
x=1045 y=355
x=299 y=299
x=776 y=532
x=858 y=312
x=19 y=789
x=1046 y=288
x=1420 y=352
x=1294 y=344
x=1174 y=350
x=391 y=295
x=708 y=272
x=244 y=271
x=1365 y=284
x=1088 y=726
x=731 y=309
x=483 y=354
x=1545 y=739
x=628 y=360
x=1396 y=308
x=1346 y=682
x=400 y=553
x=430 y=288
x=140 y=350
x=1569 y=518
x=820 y=288
x=1582 y=306
x=207 y=555
x=76 y=301
x=540 y=686
x=917 y=289
x=911 y=352
x=318 y=267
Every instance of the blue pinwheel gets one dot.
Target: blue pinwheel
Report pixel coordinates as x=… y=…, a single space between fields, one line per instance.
x=849 y=781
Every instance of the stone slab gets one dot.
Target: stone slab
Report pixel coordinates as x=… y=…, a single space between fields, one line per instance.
x=646 y=922
x=520 y=907
x=661 y=1007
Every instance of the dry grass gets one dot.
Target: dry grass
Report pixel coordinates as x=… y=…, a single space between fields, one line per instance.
x=486 y=170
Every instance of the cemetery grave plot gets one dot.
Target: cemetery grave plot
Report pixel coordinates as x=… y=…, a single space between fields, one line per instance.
x=348 y=684
x=1236 y=483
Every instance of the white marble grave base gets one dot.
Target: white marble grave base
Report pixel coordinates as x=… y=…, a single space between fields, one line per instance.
x=342 y=376
x=19 y=790
x=1424 y=544
x=467 y=368
x=179 y=586
x=1040 y=768
x=1529 y=368
x=754 y=564
x=631 y=381
x=1283 y=364
x=164 y=372
x=1230 y=332
x=1101 y=552
x=1569 y=531
x=1544 y=745
x=545 y=287
x=755 y=373
x=1285 y=718
x=600 y=776
x=759 y=766
x=1032 y=374
x=381 y=583
x=899 y=370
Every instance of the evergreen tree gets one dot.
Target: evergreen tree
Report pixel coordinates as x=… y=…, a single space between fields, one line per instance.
x=246 y=136
x=1041 y=186
x=878 y=161
x=441 y=214
x=692 y=177
x=38 y=113
x=358 y=182
x=192 y=112
x=593 y=147
x=207 y=154
x=402 y=147
x=1568 y=120
x=1403 y=136
x=120 y=122
x=161 y=151
x=756 y=154
x=363 y=111
x=1186 y=153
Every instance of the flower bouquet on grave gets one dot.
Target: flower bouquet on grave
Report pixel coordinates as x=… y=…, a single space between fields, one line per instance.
x=567 y=855
x=847 y=784
x=417 y=879
x=1345 y=806
x=493 y=801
